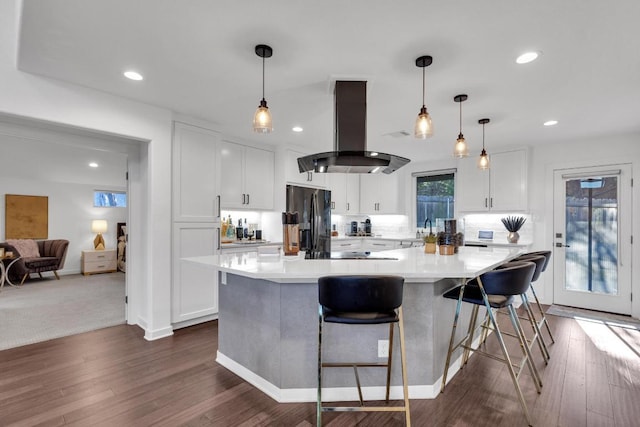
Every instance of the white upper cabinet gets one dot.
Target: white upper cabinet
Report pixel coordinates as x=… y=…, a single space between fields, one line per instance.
x=247 y=176
x=306 y=179
x=502 y=188
x=195 y=180
x=380 y=194
x=345 y=193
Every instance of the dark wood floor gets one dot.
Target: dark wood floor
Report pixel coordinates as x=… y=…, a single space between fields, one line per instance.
x=113 y=377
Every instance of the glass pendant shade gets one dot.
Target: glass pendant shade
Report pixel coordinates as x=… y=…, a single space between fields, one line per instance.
x=483 y=160
x=424 y=126
x=460 y=149
x=262 y=119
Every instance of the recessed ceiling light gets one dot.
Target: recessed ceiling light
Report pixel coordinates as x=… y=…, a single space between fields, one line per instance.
x=527 y=57
x=133 y=75
x=550 y=123
x=297 y=129
x=93 y=165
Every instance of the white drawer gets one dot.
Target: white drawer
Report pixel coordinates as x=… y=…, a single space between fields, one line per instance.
x=105 y=255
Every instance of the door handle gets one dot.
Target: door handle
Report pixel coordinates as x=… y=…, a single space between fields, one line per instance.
x=562 y=245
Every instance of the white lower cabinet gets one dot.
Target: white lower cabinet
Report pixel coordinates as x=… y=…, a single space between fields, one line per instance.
x=378 y=245
x=343 y=245
x=194 y=286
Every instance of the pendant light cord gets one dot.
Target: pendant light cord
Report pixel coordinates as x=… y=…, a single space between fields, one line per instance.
x=263 y=76
x=461 y=118
x=483 y=137
x=423 y=85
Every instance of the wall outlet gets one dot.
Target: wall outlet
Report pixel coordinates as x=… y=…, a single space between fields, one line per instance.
x=383 y=348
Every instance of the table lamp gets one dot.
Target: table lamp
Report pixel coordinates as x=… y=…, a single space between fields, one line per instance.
x=99 y=226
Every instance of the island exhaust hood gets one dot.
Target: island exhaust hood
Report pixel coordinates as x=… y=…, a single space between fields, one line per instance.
x=350 y=153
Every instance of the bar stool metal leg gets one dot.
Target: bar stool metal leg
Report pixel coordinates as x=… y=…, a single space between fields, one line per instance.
x=543 y=320
x=453 y=335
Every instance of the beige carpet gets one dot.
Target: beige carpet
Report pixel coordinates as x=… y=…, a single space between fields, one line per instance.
x=41 y=310
x=564 y=311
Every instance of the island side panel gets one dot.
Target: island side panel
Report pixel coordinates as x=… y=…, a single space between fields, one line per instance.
x=249 y=325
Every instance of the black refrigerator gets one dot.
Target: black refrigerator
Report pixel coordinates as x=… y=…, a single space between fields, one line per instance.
x=314 y=215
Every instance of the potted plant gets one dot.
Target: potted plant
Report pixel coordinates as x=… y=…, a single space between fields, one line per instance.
x=513 y=224
x=430 y=243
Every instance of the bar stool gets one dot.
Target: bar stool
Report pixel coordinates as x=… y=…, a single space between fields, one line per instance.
x=543 y=319
x=496 y=289
x=362 y=300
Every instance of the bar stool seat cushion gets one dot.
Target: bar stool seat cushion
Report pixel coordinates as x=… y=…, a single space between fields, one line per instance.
x=359 y=318
x=473 y=295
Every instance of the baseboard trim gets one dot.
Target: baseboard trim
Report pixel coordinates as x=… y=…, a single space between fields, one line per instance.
x=158 y=333
x=332 y=394
x=191 y=322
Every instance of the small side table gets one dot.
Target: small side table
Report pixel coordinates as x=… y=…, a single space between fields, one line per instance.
x=4 y=271
x=99 y=261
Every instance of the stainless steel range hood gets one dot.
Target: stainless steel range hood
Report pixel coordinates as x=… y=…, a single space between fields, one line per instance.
x=350 y=153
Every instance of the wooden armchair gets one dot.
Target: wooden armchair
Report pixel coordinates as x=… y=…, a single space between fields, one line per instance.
x=52 y=257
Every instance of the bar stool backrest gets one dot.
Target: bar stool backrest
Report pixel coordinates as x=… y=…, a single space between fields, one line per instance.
x=545 y=254
x=513 y=279
x=360 y=294
x=539 y=260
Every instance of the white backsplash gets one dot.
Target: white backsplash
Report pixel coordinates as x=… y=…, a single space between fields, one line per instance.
x=492 y=222
x=381 y=225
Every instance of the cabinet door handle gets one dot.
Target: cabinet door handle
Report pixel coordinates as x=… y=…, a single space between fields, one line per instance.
x=485 y=203
x=247 y=198
x=348 y=208
x=218 y=234
x=491 y=202
x=218 y=198
x=243 y=199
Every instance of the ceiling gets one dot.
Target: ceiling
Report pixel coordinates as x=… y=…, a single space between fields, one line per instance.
x=198 y=59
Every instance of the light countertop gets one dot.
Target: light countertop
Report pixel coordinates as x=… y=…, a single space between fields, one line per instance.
x=411 y=263
x=248 y=244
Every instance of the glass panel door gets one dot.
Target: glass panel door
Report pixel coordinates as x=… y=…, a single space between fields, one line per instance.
x=592 y=245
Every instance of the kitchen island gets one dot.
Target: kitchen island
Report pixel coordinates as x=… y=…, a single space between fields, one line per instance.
x=268 y=320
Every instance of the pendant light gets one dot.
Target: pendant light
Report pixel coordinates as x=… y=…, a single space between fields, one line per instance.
x=424 y=126
x=483 y=160
x=262 y=118
x=460 y=149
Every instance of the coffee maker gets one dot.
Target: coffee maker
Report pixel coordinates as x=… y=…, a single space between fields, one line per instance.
x=353 y=231
x=367 y=227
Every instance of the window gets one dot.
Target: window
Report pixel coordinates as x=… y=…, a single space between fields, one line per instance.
x=434 y=197
x=109 y=199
